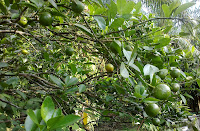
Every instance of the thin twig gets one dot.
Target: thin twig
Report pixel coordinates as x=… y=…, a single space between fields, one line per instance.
x=7 y=102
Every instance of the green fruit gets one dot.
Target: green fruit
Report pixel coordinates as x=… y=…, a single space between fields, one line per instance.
x=69 y=51
x=24 y=52
x=152 y=110
x=23 y=21
x=175 y=87
x=77 y=6
x=46 y=19
x=109 y=67
x=175 y=73
x=163 y=73
x=162 y=92
x=189 y=78
x=156 y=121
x=128 y=48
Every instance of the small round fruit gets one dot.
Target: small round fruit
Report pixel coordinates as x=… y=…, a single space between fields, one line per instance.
x=69 y=51
x=46 y=19
x=175 y=73
x=163 y=73
x=109 y=67
x=189 y=78
x=23 y=21
x=156 y=121
x=175 y=87
x=162 y=91
x=128 y=48
x=77 y=6
x=152 y=110
x=24 y=52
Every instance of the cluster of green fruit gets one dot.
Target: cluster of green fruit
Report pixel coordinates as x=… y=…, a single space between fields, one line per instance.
x=162 y=92
x=46 y=18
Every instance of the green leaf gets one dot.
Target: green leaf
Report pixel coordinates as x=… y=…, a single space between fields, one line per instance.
x=163 y=42
x=119 y=89
x=70 y=81
x=82 y=88
x=183 y=99
x=3 y=64
x=31 y=120
x=101 y=22
x=57 y=81
x=57 y=112
x=7 y=2
x=3 y=8
x=187 y=95
x=62 y=121
x=166 y=10
x=30 y=5
x=53 y=3
x=183 y=7
x=167 y=29
x=30 y=125
x=184 y=34
x=198 y=82
x=112 y=12
x=21 y=94
x=134 y=67
x=121 y=5
x=115 y=47
x=150 y=70
x=123 y=71
x=12 y=80
x=150 y=100
x=117 y=23
x=33 y=116
x=47 y=109
x=138 y=7
x=38 y=3
x=84 y=29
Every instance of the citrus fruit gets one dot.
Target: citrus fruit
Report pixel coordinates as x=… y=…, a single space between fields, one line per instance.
x=152 y=110
x=128 y=48
x=46 y=19
x=109 y=67
x=162 y=91
x=77 y=6
x=175 y=73
x=24 y=52
x=23 y=21
x=189 y=78
x=162 y=73
x=69 y=51
x=175 y=87
x=156 y=121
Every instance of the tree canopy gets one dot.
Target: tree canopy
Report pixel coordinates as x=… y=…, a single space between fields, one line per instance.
x=73 y=64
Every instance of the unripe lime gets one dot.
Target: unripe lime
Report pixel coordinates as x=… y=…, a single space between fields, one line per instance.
x=162 y=92
x=109 y=67
x=23 y=21
x=77 y=6
x=152 y=110
x=175 y=73
x=46 y=19
x=156 y=121
x=69 y=51
x=24 y=52
x=175 y=87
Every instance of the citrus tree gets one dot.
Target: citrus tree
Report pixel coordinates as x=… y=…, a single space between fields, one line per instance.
x=62 y=60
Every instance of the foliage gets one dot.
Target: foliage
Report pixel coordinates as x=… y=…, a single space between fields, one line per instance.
x=63 y=63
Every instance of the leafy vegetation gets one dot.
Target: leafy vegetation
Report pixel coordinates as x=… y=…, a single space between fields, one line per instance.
x=54 y=72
